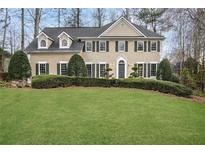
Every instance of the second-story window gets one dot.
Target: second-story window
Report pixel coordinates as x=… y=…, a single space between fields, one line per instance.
x=140 y=46
x=43 y=43
x=154 y=46
x=89 y=46
x=102 y=46
x=121 y=45
x=64 y=43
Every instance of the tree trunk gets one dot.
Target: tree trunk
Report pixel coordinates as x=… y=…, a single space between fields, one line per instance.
x=4 y=37
x=22 y=29
x=37 y=21
x=99 y=17
x=78 y=18
x=59 y=17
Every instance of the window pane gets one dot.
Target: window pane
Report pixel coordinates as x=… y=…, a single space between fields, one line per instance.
x=43 y=43
x=89 y=70
x=88 y=46
x=154 y=46
x=140 y=46
x=121 y=46
x=102 y=70
x=64 y=43
x=42 y=69
x=102 y=46
x=63 y=68
x=153 y=69
x=140 y=70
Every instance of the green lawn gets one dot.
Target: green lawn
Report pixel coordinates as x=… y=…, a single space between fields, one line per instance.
x=98 y=116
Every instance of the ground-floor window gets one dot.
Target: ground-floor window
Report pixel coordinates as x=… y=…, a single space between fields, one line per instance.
x=42 y=68
x=140 y=70
x=153 y=69
x=63 y=68
x=102 y=70
x=89 y=70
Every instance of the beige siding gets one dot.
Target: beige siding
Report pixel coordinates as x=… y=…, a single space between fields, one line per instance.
x=110 y=57
x=122 y=29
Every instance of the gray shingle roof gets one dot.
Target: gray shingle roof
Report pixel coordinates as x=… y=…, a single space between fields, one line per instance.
x=75 y=33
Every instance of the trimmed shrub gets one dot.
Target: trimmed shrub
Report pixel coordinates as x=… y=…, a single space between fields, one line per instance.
x=54 y=81
x=19 y=66
x=186 y=79
x=175 y=78
x=76 y=66
x=164 y=71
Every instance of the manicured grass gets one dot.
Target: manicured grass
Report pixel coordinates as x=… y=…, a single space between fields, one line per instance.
x=98 y=116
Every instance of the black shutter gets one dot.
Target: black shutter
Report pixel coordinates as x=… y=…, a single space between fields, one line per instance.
x=47 y=68
x=93 y=46
x=67 y=68
x=149 y=69
x=126 y=46
x=158 y=46
x=37 y=71
x=145 y=69
x=83 y=46
x=107 y=46
x=107 y=66
x=58 y=68
x=97 y=46
x=135 y=44
x=93 y=70
x=97 y=71
x=116 y=46
x=149 y=48
x=135 y=65
x=145 y=46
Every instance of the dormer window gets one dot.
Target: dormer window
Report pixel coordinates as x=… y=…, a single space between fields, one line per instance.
x=65 y=40
x=43 y=44
x=64 y=43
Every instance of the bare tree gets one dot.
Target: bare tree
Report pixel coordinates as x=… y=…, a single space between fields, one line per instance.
x=5 y=27
x=99 y=16
x=73 y=17
x=22 y=29
x=37 y=20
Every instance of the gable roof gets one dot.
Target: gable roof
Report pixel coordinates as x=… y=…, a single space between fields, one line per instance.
x=82 y=32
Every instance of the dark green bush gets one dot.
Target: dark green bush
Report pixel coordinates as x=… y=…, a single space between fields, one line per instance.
x=164 y=71
x=175 y=78
x=76 y=66
x=4 y=76
x=54 y=81
x=19 y=66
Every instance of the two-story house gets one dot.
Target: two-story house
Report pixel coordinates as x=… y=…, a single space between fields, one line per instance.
x=119 y=45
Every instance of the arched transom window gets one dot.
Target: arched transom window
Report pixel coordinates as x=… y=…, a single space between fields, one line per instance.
x=43 y=43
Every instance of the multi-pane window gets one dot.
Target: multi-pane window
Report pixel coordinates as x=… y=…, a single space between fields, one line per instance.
x=43 y=43
x=42 y=69
x=140 y=46
x=64 y=43
x=89 y=70
x=121 y=45
x=140 y=70
x=63 y=68
x=102 y=70
x=89 y=46
x=154 y=46
x=102 y=45
x=153 y=69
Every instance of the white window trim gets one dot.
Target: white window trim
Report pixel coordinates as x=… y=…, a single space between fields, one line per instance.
x=142 y=45
x=43 y=62
x=119 y=45
x=99 y=68
x=105 y=46
x=151 y=46
x=61 y=44
x=142 y=67
x=151 y=69
x=86 y=46
x=62 y=62
x=39 y=44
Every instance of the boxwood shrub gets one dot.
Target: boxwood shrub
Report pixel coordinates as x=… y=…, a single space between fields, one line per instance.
x=54 y=81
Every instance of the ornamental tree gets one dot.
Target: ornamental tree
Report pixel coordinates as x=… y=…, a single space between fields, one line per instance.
x=76 y=66
x=164 y=71
x=19 y=66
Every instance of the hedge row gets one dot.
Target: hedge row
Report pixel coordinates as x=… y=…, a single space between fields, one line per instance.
x=54 y=81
